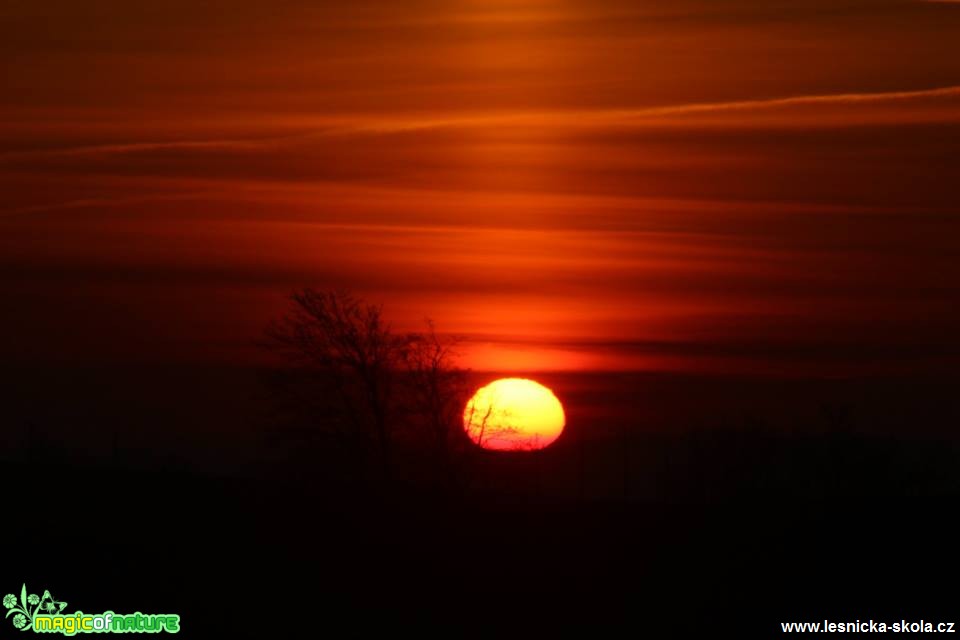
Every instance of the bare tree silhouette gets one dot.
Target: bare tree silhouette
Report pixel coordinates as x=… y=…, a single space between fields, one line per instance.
x=346 y=343
x=368 y=385
x=435 y=391
x=490 y=421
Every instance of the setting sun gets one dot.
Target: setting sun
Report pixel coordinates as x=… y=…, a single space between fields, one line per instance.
x=514 y=414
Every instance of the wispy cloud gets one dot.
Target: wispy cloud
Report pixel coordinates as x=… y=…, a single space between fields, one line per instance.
x=628 y=116
x=324 y=126
x=139 y=147
x=830 y=98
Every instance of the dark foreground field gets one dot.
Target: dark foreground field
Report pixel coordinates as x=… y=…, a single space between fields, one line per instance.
x=671 y=505
x=745 y=532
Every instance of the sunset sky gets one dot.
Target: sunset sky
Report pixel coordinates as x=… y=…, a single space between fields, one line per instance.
x=692 y=185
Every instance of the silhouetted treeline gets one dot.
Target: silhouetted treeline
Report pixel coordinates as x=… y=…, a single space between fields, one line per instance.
x=389 y=404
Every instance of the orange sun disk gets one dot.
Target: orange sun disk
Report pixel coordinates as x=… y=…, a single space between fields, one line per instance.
x=513 y=414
